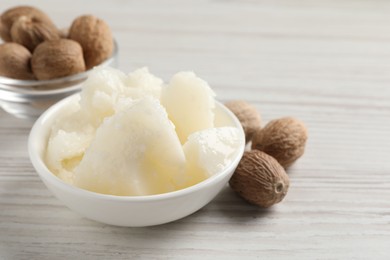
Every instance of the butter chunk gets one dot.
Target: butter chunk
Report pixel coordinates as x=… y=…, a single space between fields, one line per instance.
x=141 y=83
x=210 y=151
x=190 y=104
x=135 y=152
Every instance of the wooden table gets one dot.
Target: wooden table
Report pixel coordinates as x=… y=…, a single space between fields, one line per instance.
x=325 y=62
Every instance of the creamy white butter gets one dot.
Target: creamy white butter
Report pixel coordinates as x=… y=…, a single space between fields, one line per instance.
x=132 y=135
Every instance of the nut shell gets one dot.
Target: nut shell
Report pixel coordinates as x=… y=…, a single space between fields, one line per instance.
x=247 y=114
x=30 y=32
x=58 y=58
x=284 y=139
x=11 y=15
x=260 y=179
x=94 y=36
x=15 y=61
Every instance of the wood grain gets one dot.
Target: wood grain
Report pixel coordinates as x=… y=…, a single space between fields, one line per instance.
x=325 y=62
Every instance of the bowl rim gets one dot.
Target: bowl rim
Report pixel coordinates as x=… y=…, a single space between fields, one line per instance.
x=27 y=86
x=46 y=175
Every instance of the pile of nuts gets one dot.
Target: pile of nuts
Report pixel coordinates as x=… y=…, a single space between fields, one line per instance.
x=260 y=177
x=35 y=48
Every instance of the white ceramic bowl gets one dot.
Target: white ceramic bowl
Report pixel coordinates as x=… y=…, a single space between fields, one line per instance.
x=128 y=210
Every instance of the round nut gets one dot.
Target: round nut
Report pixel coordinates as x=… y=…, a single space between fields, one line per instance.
x=30 y=32
x=260 y=179
x=94 y=36
x=58 y=58
x=284 y=139
x=11 y=15
x=15 y=61
x=248 y=116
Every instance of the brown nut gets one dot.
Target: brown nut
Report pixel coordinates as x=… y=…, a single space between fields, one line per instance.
x=58 y=58
x=260 y=179
x=94 y=36
x=11 y=15
x=284 y=139
x=248 y=116
x=30 y=32
x=15 y=61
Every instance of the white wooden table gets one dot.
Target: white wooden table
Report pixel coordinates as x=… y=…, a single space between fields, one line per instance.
x=325 y=62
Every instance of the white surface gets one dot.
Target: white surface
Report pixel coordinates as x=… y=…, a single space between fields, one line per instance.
x=325 y=62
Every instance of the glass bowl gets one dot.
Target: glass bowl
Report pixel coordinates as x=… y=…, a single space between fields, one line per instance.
x=30 y=98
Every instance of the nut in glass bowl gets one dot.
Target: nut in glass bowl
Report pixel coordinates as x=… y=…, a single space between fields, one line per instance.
x=30 y=98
